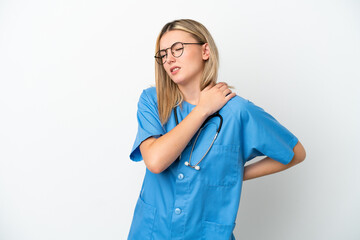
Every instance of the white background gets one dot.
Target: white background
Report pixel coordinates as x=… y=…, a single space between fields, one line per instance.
x=71 y=73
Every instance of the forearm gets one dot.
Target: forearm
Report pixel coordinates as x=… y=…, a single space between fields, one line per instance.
x=268 y=166
x=163 y=151
x=264 y=167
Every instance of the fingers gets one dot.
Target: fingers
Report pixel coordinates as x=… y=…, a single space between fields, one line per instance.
x=226 y=92
x=230 y=96
x=214 y=97
x=224 y=88
x=208 y=87
x=221 y=85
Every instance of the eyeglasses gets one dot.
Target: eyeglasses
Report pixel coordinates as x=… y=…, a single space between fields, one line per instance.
x=177 y=49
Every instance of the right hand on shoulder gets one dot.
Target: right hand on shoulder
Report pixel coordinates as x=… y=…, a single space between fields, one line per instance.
x=214 y=97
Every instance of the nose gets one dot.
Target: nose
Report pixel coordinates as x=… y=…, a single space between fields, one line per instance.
x=169 y=57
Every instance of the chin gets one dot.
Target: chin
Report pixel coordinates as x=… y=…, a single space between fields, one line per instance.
x=178 y=80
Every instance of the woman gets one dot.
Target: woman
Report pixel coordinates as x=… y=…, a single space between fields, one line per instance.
x=193 y=179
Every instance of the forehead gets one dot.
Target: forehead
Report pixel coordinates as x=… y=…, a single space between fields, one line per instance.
x=173 y=36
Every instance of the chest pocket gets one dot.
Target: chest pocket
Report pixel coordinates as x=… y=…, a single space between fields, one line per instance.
x=220 y=167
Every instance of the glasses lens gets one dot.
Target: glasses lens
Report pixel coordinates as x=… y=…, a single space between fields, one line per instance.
x=177 y=49
x=161 y=56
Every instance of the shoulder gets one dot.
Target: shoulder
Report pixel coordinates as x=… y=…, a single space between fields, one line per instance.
x=243 y=108
x=148 y=100
x=149 y=95
x=239 y=104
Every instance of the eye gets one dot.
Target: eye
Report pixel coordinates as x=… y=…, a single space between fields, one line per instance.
x=162 y=54
x=179 y=49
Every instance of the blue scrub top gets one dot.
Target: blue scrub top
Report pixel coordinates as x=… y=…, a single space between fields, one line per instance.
x=183 y=203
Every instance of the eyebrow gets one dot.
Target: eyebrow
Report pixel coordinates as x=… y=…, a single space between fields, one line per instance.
x=168 y=47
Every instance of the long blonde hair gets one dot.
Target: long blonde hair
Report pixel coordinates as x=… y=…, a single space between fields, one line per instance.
x=168 y=93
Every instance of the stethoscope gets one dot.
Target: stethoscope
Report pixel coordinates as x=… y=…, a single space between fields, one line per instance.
x=188 y=163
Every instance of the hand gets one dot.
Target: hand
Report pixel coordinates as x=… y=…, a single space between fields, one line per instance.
x=214 y=97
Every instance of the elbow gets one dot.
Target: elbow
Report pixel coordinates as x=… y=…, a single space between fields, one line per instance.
x=155 y=170
x=301 y=157
x=299 y=153
x=153 y=159
x=153 y=165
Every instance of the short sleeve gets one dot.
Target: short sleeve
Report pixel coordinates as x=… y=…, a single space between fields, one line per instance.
x=265 y=136
x=149 y=124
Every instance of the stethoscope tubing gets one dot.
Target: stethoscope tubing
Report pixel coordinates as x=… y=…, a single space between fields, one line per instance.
x=216 y=114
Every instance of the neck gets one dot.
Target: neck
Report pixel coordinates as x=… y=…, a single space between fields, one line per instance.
x=191 y=92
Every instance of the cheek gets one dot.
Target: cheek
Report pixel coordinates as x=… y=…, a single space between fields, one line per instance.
x=195 y=63
x=167 y=69
x=194 y=59
x=196 y=67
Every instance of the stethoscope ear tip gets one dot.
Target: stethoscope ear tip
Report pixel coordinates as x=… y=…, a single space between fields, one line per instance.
x=197 y=167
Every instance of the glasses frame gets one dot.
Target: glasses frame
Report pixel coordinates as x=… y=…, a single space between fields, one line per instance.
x=159 y=59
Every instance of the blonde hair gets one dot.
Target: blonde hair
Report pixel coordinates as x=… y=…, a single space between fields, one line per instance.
x=168 y=93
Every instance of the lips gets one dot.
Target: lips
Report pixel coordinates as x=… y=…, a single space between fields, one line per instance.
x=174 y=69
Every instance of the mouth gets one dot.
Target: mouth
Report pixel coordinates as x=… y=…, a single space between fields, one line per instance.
x=174 y=69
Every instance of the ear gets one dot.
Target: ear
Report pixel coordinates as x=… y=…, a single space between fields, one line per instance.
x=205 y=51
